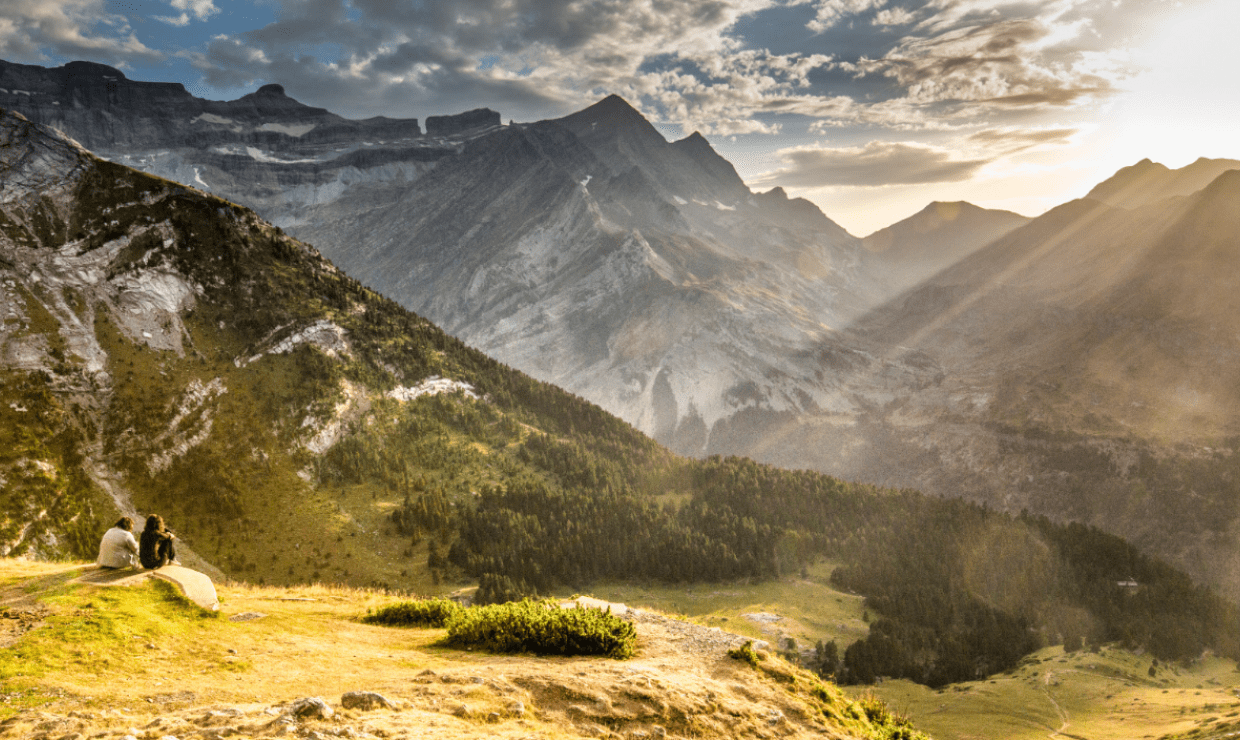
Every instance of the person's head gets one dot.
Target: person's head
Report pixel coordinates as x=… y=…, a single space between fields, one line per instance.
x=154 y=523
x=125 y=523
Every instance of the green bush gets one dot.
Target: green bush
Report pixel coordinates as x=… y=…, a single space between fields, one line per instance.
x=420 y=613
x=745 y=653
x=544 y=628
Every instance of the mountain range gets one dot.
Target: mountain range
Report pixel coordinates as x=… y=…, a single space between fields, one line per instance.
x=166 y=350
x=1075 y=364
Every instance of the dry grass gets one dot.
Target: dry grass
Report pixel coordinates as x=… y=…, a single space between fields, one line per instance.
x=111 y=659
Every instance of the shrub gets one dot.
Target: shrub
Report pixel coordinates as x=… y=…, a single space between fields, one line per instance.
x=420 y=613
x=745 y=653
x=544 y=628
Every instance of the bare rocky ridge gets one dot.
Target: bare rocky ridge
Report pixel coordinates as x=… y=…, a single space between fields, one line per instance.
x=638 y=273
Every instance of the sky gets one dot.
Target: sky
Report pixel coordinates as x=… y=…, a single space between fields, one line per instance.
x=870 y=108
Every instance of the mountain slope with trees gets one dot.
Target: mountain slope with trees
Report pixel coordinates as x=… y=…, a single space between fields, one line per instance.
x=168 y=351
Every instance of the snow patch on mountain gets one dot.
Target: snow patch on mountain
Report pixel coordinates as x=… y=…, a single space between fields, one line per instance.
x=190 y=424
x=325 y=433
x=432 y=386
x=324 y=334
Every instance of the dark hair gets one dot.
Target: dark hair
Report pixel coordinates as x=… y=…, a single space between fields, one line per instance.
x=154 y=523
x=125 y=523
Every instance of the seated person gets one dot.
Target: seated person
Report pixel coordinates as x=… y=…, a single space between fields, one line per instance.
x=118 y=549
x=156 y=549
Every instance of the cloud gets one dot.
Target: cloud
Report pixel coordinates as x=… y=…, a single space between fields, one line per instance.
x=180 y=20
x=1007 y=63
x=1010 y=140
x=830 y=12
x=39 y=30
x=877 y=163
x=201 y=9
x=894 y=17
x=530 y=58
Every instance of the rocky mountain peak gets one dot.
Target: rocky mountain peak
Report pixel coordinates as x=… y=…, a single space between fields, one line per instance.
x=83 y=70
x=613 y=118
x=478 y=118
x=272 y=90
x=35 y=160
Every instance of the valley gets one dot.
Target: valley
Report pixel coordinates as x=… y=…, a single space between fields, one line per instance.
x=1050 y=364
x=1050 y=382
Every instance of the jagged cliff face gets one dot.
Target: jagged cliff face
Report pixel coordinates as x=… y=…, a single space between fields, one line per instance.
x=588 y=251
x=264 y=150
x=638 y=273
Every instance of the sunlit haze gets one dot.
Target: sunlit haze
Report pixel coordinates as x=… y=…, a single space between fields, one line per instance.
x=870 y=108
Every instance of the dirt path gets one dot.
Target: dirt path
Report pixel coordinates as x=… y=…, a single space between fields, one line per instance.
x=1063 y=713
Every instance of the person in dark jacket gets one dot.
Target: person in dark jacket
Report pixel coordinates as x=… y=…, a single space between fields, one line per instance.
x=155 y=549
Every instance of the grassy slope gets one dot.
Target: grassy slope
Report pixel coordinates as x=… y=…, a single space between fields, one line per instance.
x=1105 y=696
x=106 y=659
x=811 y=609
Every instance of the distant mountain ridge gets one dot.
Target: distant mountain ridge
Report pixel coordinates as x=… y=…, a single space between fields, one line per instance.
x=105 y=110
x=936 y=237
x=1146 y=182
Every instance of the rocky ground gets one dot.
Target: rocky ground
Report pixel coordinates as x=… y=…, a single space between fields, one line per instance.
x=297 y=663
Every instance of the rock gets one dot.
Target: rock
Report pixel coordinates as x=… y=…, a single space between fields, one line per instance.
x=365 y=700
x=461 y=711
x=448 y=125
x=311 y=707
x=658 y=731
x=493 y=717
x=516 y=709
x=246 y=616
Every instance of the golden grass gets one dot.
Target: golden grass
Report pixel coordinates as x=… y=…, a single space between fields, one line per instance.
x=106 y=659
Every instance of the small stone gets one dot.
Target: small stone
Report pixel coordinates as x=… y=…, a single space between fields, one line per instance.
x=232 y=650
x=516 y=709
x=658 y=731
x=493 y=717
x=365 y=700
x=461 y=711
x=311 y=707
x=150 y=646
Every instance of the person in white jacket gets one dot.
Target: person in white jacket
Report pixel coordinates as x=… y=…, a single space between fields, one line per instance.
x=118 y=549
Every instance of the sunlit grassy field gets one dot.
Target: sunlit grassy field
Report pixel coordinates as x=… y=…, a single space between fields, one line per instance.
x=810 y=608
x=1101 y=696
